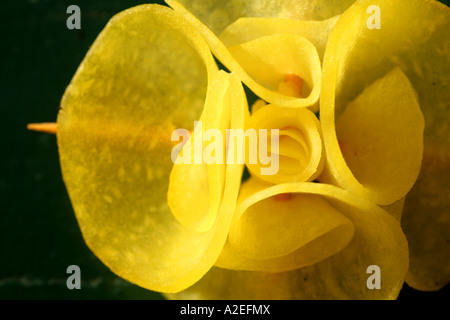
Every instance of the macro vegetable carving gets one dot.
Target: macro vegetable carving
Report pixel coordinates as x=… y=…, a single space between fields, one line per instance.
x=362 y=116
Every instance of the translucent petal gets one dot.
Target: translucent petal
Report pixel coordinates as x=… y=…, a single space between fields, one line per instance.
x=413 y=37
x=299 y=145
x=378 y=240
x=267 y=65
x=261 y=65
x=145 y=75
x=196 y=189
x=247 y=29
x=426 y=223
x=381 y=128
x=218 y=14
x=273 y=233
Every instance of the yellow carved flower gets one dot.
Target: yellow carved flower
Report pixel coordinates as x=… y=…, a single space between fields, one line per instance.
x=361 y=113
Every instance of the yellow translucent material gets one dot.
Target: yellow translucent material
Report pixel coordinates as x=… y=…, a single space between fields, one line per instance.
x=262 y=66
x=380 y=129
x=145 y=75
x=163 y=227
x=378 y=239
x=258 y=104
x=428 y=230
x=195 y=190
x=396 y=208
x=415 y=38
x=279 y=234
x=299 y=140
x=247 y=29
x=291 y=86
x=218 y=14
x=268 y=66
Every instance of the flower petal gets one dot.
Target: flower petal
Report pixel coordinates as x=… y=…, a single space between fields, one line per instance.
x=280 y=228
x=266 y=65
x=247 y=29
x=260 y=65
x=300 y=145
x=415 y=38
x=426 y=223
x=382 y=127
x=144 y=76
x=218 y=14
x=378 y=240
x=196 y=189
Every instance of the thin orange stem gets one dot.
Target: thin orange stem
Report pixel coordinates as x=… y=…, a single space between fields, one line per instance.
x=48 y=127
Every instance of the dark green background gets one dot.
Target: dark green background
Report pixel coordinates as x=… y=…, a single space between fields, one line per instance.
x=39 y=235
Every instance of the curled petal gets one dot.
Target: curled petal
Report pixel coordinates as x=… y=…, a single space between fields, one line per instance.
x=300 y=145
x=261 y=66
x=377 y=240
x=266 y=66
x=247 y=29
x=196 y=189
x=145 y=75
x=414 y=38
x=382 y=127
x=283 y=227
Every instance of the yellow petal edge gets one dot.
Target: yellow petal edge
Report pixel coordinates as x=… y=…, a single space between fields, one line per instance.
x=377 y=240
x=274 y=235
x=262 y=50
x=413 y=38
x=300 y=154
x=145 y=76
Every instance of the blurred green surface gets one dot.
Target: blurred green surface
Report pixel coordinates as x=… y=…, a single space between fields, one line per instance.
x=39 y=235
